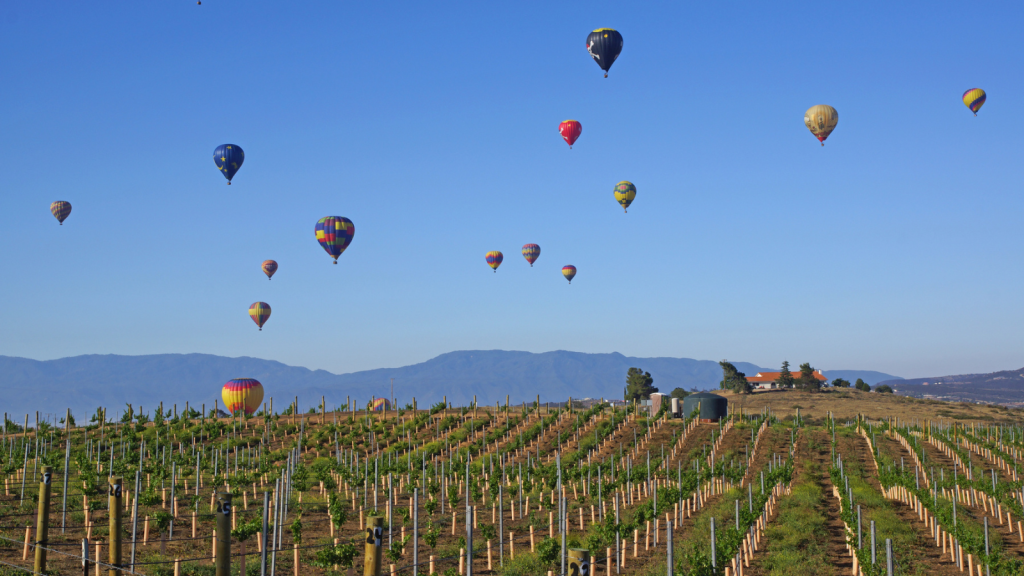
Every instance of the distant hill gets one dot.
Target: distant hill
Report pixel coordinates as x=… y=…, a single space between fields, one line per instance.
x=1006 y=387
x=869 y=376
x=86 y=382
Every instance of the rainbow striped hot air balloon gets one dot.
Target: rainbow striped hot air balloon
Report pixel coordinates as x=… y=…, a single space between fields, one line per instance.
x=974 y=98
x=625 y=192
x=380 y=404
x=335 y=234
x=570 y=131
x=242 y=394
x=60 y=210
x=269 y=267
x=569 y=272
x=531 y=252
x=494 y=259
x=259 y=312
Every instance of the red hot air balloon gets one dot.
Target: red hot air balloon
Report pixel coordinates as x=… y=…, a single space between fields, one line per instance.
x=570 y=131
x=269 y=267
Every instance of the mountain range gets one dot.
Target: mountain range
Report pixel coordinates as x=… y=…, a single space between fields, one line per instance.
x=84 y=383
x=1005 y=387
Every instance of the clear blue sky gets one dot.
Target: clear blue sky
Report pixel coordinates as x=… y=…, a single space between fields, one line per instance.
x=896 y=247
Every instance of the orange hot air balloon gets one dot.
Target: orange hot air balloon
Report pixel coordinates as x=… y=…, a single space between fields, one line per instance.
x=570 y=131
x=242 y=394
x=269 y=267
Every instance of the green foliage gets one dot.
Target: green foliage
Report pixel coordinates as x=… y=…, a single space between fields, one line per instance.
x=807 y=380
x=343 y=555
x=679 y=393
x=733 y=379
x=162 y=519
x=639 y=385
x=339 y=515
x=431 y=505
x=394 y=553
x=785 y=379
x=884 y=389
x=548 y=550
x=297 y=529
x=862 y=385
x=431 y=534
x=489 y=532
x=245 y=530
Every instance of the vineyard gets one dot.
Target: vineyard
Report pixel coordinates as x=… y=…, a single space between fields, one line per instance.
x=513 y=490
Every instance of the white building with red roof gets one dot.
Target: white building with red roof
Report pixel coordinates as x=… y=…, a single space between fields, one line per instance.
x=769 y=380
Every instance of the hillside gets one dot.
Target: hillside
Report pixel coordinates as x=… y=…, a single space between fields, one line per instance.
x=85 y=382
x=1006 y=387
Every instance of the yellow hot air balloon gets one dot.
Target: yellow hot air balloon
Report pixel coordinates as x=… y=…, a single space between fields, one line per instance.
x=974 y=98
x=625 y=192
x=821 y=120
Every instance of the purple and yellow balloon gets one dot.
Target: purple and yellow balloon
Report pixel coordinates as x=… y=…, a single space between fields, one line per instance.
x=242 y=394
x=531 y=252
x=60 y=210
x=569 y=272
x=335 y=234
x=494 y=259
x=259 y=312
x=974 y=99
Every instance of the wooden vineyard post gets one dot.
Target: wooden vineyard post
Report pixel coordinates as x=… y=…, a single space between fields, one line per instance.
x=373 y=563
x=116 y=510
x=42 y=519
x=223 y=543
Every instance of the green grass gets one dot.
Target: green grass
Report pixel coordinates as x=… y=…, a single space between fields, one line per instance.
x=797 y=539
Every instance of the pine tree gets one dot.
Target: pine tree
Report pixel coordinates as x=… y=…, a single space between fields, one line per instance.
x=786 y=379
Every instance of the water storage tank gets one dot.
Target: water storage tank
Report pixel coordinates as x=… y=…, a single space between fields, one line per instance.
x=712 y=406
x=675 y=407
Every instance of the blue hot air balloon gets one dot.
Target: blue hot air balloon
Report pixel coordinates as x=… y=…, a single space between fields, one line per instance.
x=228 y=158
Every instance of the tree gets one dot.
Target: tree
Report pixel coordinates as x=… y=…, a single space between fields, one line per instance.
x=885 y=389
x=862 y=385
x=840 y=383
x=733 y=379
x=679 y=393
x=639 y=385
x=786 y=379
x=807 y=380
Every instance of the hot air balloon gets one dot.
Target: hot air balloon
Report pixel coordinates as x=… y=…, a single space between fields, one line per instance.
x=531 y=252
x=259 y=312
x=380 y=404
x=335 y=234
x=269 y=267
x=60 y=210
x=604 y=45
x=625 y=192
x=569 y=272
x=570 y=131
x=242 y=394
x=821 y=120
x=228 y=158
x=974 y=98
x=494 y=259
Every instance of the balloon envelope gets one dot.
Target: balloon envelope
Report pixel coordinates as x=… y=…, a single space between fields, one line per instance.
x=494 y=259
x=570 y=131
x=604 y=46
x=974 y=98
x=259 y=312
x=569 y=272
x=60 y=210
x=228 y=158
x=821 y=120
x=269 y=267
x=531 y=252
x=625 y=192
x=335 y=233
x=242 y=394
